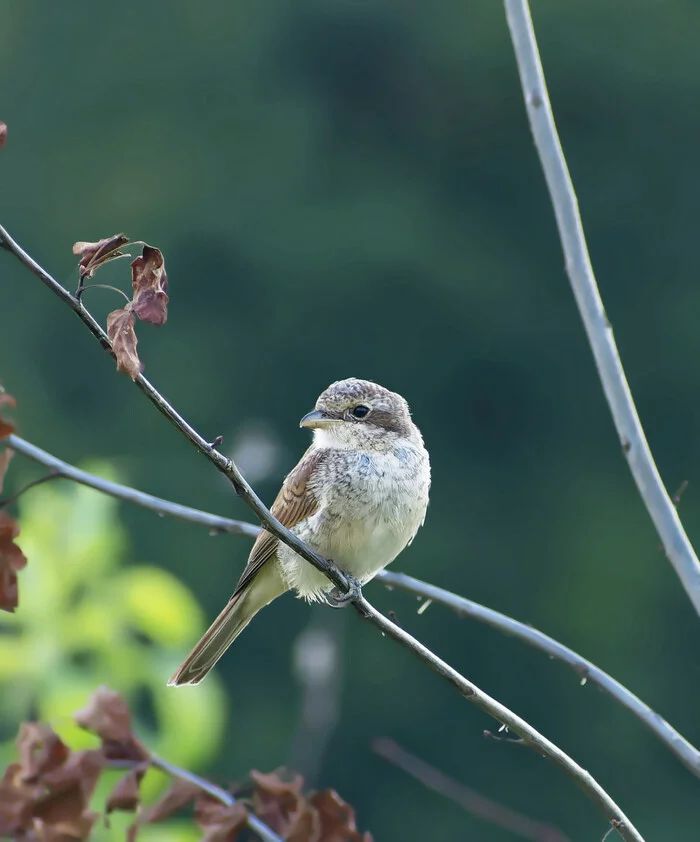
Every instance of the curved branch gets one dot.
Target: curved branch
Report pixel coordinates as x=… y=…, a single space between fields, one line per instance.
x=502 y=714
x=675 y=742
x=227 y=467
x=60 y=468
x=676 y=543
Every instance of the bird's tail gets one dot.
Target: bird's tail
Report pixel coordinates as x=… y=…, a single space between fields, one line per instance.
x=241 y=609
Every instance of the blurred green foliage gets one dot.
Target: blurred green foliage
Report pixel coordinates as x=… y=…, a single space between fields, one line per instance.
x=350 y=188
x=87 y=619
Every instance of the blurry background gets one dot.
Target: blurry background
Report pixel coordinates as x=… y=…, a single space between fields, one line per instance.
x=350 y=188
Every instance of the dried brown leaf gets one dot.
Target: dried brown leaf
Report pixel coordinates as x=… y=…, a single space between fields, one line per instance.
x=120 y=329
x=12 y=559
x=40 y=750
x=277 y=802
x=337 y=818
x=6 y=427
x=304 y=826
x=179 y=795
x=75 y=830
x=16 y=798
x=107 y=715
x=272 y=783
x=81 y=769
x=150 y=283
x=220 y=823
x=3 y=134
x=97 y=254
x=5 y=457
x=126 y=795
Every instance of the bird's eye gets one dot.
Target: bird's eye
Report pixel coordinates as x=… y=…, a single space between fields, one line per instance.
x=360 y=411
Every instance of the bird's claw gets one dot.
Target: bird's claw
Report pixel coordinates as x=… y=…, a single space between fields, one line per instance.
x=339 y=599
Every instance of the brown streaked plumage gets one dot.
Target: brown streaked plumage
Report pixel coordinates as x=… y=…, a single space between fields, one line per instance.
x=357 y=496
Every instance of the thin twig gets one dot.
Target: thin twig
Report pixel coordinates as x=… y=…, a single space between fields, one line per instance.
x=672 y=739
x=677 y=743
x=470 y=691
x=8 y=501
x=676 y=544
x=473 y=802
x=130 y=495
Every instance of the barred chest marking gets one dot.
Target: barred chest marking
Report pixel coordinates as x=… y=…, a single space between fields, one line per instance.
x=371 y=506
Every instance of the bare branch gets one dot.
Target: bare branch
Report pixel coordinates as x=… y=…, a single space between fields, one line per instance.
x=254 y=823
x=674 y=741
x=60 y=468
x=473 y=802
x=677 y=743
x=529 y=735
x=676 y=544
x=226 y=466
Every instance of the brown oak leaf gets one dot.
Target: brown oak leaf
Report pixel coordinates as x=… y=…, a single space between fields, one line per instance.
x=6 y=427
x=3 y=134
x=97 y=254
x=5 y=457
x=120 y=329
x=150 y=283
x=12 y=559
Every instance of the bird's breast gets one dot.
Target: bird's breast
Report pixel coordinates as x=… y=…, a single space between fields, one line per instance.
x=370 y=508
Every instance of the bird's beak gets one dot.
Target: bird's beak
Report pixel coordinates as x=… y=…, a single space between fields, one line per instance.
x=317 y=419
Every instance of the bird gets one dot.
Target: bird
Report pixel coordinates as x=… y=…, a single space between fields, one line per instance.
x=358 y=497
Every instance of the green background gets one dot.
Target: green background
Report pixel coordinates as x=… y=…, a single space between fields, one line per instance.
x=350 y=189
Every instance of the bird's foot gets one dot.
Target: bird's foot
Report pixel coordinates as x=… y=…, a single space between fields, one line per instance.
x=339 y=599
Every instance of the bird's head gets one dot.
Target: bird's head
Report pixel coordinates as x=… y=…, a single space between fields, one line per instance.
x=359 y=414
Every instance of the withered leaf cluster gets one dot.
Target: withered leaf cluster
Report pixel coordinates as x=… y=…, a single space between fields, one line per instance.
x=45 y=795
x=149 y=302
x=12 y=558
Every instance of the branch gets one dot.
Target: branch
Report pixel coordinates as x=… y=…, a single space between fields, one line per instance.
x=528 y=734
x=472 y=801
x=674 y=741
x=254 y=823
x=677 y=743
x=676 y=544
x=124 y=492
x=227 y=467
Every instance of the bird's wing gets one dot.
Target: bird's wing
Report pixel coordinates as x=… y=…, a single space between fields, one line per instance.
x=295 y=502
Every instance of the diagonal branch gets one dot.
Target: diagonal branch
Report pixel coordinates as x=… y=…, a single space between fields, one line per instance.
x=226 y=466
x=473 y=802
x=254 y=823
x=60 y=468
x=674 y=741
x=677 y=743
x=676 y=544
